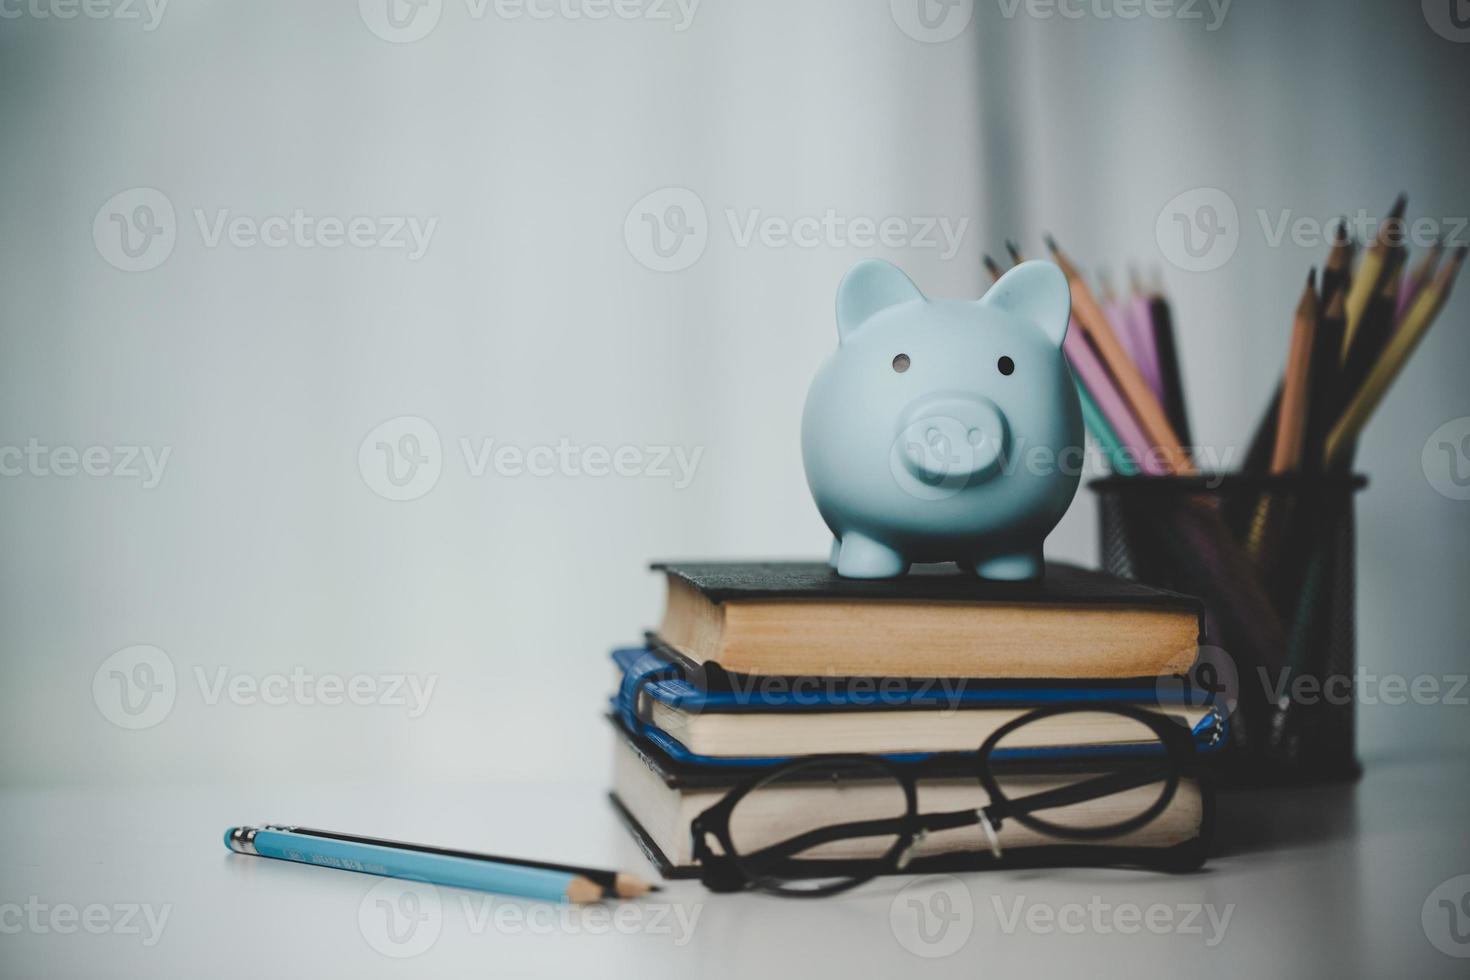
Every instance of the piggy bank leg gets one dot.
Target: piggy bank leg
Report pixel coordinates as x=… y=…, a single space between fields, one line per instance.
x=836 y=550
x=861 y=557
x=1015 y=567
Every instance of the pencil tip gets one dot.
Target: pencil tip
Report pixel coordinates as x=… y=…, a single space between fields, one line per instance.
x=1051 y=243
x=582 y=891
x=991 y=266
x=1337 y=305
x=1308 y=304
x=1400 y=204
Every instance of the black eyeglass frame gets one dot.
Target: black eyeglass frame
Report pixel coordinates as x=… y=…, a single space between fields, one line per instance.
x=728 y=870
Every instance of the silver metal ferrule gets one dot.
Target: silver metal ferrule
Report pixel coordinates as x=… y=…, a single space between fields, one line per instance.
x=242 y=840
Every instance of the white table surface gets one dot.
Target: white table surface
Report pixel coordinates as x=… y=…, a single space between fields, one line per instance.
x=1320 y=882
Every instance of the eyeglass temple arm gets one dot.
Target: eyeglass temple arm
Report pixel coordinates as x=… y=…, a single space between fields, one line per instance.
x=825 y=835
x=995 y=812
x=1088 y=789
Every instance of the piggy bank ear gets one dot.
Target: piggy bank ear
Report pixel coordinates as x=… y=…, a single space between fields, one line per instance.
x=1038 y=293
x=869 y=287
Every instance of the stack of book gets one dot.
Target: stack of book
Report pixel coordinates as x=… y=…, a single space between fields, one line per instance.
x=757 y=663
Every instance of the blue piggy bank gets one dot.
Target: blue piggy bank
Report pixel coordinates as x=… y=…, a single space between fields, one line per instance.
x=944 y=430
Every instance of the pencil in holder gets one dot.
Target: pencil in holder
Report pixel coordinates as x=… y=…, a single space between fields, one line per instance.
x=1272 y=558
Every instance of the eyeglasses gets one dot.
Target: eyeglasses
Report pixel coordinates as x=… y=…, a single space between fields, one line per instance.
x=774 y=831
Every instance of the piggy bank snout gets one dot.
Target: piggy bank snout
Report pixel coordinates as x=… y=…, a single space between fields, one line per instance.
x=952 y=439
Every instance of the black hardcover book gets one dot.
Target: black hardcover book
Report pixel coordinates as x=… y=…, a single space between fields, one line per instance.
x=791 y=618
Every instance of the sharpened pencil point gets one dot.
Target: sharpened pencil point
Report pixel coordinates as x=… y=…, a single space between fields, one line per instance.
x=582 y=891
x=1051 y=243
x=1307 y=305
x=1014 y=250
x=991 y=266
x=1337 y=305
x=1400 y=204
x=1457 y=259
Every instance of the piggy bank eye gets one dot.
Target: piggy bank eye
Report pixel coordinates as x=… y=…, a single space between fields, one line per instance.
x=901 y=363
x=1005 y=365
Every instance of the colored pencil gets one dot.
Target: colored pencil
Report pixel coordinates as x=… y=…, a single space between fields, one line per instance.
x=1422 y=275
x=1337 y=273
x=613 y=883
x=1103 y=410
x=1263 y=441
x=399 y=862
x=1326 y=395
x=1376 y=326
x=1365 y=400
x=1102 y=430
x=1134 y=332
x=1090 y=371
x=1139 y=312
x=1131 y=384
x=1273 y=509
x=1296 y=388
x=1263 y=554
x=1171 y=379
x=1203 y=551
x=1369 y=278
x=1121 y=320
x=1337 y=276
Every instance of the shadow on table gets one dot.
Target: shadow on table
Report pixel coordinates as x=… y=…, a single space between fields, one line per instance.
x=1274 y=818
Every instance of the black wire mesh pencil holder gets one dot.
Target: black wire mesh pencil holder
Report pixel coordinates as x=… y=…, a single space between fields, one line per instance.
x=1272 y=557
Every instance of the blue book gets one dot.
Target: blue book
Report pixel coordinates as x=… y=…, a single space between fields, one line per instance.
x=762 y=721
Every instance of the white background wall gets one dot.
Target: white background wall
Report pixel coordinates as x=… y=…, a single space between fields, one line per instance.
x=529 y=320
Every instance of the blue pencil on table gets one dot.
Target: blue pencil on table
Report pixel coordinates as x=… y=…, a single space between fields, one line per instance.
x=460 y=869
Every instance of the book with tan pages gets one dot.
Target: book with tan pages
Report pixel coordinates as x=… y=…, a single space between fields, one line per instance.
x=789 y=618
